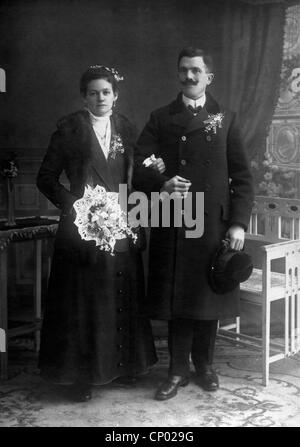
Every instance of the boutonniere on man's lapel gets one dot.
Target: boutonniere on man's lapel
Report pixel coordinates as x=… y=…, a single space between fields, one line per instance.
x=116 y=146
x=213 y=122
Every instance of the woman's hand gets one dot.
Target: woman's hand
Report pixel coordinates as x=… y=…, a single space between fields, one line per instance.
x=155 y=163
x=158 y=165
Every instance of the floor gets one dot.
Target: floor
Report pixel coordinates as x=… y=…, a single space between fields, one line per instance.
x=26 y=400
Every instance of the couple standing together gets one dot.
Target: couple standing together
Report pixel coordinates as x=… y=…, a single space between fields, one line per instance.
x=96 y=325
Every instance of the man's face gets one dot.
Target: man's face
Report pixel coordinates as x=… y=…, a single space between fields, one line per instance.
x=193 y=76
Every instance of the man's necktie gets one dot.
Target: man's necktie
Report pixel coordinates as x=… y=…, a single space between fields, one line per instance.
x=195 y=110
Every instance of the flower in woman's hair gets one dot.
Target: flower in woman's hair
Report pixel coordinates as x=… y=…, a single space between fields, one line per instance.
x=112 y=70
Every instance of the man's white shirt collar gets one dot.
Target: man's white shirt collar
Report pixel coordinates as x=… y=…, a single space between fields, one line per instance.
x=194 y=102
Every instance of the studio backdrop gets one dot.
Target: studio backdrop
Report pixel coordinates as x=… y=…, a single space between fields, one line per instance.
x=45 y=46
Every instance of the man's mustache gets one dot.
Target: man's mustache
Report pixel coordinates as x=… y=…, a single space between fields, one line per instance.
x=189 y=82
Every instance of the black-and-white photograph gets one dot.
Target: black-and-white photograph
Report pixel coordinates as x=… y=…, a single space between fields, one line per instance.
x=150 y=216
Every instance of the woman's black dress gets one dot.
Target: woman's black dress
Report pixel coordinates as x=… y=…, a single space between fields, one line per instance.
x=93 y=330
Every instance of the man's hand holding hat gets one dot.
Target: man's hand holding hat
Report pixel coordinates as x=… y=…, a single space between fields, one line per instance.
x=236 y=234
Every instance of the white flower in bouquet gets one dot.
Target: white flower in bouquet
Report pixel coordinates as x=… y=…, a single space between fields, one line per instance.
x=100 y=218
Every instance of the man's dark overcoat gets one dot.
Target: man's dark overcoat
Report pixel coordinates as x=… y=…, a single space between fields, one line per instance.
x=91 y=329
x=178 y=285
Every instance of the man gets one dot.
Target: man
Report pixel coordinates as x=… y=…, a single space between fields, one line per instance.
x=200 y=145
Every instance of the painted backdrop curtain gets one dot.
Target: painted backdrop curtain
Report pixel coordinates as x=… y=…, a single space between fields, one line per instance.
x=250 y=60
x=142 y=39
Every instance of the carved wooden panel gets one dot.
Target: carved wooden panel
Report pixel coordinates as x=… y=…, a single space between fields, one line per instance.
x=283 y=143
x=292 y=31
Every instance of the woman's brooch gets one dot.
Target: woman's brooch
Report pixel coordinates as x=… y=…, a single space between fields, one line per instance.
x=116 y=146
x=213 y=122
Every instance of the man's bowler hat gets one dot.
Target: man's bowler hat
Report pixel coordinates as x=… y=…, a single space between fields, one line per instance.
x=229 y=268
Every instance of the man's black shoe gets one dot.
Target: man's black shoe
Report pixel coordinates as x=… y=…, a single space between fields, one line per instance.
x=207 y=378
x=169 y=388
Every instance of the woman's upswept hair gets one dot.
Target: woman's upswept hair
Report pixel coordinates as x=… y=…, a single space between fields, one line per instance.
x=98 y=72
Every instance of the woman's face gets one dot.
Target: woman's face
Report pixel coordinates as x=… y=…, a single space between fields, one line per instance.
x=100 y=97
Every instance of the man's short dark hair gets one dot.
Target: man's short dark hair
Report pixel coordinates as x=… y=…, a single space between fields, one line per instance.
x=194 y=52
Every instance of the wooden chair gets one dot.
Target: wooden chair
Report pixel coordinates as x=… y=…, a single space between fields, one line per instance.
x=273 y=240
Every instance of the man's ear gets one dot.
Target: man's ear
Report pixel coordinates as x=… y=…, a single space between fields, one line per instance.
x=210 y=77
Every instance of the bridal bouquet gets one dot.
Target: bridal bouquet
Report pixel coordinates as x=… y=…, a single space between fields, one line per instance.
x=100 y=218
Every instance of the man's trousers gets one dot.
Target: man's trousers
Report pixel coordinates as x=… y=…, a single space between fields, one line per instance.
x=195 y=338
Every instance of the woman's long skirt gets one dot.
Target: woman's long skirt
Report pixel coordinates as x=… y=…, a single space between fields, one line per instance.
x=93 y=330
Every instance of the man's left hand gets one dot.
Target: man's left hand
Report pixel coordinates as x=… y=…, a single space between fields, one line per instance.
x=236 y=234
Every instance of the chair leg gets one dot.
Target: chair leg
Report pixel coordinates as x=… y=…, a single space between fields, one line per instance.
x=298 y=324
x=266 y=311
x=238 y=325
x=3 y=356
x=37 y=341
x=38 y=291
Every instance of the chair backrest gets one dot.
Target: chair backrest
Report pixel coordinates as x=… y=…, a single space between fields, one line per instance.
x=272 y=220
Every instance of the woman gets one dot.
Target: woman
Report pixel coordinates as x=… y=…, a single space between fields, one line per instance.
x=92 y=332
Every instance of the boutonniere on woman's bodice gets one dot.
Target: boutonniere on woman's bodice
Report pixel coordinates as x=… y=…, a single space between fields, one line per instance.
x=213 y=122
x=116 y=146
